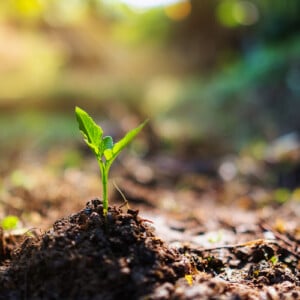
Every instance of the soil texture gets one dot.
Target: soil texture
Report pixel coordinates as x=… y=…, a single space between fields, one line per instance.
x=89 y=256
x=197 y=237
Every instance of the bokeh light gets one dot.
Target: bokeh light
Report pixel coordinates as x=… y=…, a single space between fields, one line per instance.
x=179 y=11
x=245 y=13
x=233 y=13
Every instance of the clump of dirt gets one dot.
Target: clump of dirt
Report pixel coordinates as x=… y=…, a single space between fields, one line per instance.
x=88 y=256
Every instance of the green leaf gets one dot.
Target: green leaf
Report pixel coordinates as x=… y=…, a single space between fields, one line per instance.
x=107 y=145
x=274 y=259
x=10 y=222
x=90 y=130
x=107 y=142
x=120 y=145
x=108 y=154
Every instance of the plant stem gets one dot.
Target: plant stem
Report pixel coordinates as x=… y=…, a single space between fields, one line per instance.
x=104 y=177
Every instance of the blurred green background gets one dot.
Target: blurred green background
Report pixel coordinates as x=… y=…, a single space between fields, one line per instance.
x=218 y=73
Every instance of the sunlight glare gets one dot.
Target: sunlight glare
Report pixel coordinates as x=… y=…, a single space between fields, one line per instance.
x=144 y=4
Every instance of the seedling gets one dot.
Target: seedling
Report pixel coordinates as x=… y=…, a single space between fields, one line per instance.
x=105 y=150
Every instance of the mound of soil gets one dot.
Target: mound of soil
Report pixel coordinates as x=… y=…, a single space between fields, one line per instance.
x=88 y=256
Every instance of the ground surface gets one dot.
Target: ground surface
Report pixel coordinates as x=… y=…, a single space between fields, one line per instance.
x=195 y=237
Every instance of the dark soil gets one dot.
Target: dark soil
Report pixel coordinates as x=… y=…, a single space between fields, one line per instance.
x=88 y=256
x=212 y=240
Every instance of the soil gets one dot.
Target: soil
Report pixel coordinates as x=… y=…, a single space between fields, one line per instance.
x=89 y=256
x=224 y=241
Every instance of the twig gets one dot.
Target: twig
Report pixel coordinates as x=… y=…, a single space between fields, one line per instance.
x=122 y=195
x=292 y=246
x=234 y=246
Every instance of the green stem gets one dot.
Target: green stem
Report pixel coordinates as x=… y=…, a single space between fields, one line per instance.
x=104 y=168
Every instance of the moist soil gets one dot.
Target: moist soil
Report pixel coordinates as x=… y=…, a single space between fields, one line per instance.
x=194 y=238
x=89 y=256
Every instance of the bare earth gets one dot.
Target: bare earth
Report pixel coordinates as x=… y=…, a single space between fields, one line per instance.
x=193 y=237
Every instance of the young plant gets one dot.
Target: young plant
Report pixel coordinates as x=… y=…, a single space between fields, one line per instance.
x=105 y=150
